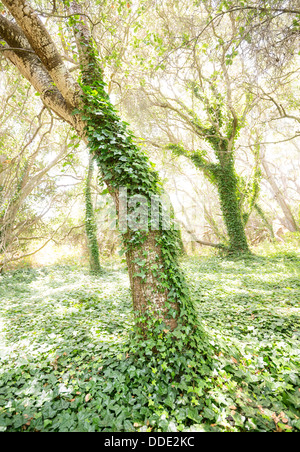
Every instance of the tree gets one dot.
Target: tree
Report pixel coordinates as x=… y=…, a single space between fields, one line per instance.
x=158 y=288
x=90 y=224
x=222 y=174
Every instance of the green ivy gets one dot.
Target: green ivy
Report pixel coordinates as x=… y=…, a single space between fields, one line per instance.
x=66 y=364
x=123 y=164
x=90 y=225
x=221 y=137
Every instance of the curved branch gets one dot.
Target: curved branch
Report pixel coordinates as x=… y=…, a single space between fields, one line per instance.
x=41 y=42
x=243 y=8
x=31 y=69
x=19 y=52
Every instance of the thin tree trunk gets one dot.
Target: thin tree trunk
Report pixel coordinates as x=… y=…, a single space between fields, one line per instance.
x=90 y=225
x=265 y=220
x=288 y=215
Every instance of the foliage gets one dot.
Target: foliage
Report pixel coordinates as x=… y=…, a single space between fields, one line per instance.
x=224 y=177
x=72 y=359
x=67 y=364
x=124 y=165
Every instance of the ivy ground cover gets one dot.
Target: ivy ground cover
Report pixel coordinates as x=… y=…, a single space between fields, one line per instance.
x=65 y=364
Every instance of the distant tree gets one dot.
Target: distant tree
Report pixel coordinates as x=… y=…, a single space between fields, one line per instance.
x=202 y=72
x=289 y=219
x=90 y=224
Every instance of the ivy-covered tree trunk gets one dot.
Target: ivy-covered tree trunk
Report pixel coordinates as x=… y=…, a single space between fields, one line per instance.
x=227 y=184
x=223 y=176
x=158 y=287
x=90 y=225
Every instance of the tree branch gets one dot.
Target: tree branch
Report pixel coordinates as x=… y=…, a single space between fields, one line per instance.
x=219 y=246
x=41 y=42
x=16 y=48
x=21 y=55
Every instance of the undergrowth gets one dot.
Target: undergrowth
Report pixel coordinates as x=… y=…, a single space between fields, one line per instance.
x=70 y=360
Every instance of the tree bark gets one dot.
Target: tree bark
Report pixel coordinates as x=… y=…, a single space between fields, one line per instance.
x=32 y=68
x=45 y=49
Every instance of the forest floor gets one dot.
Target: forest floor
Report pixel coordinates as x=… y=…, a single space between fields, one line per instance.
x=59 y=324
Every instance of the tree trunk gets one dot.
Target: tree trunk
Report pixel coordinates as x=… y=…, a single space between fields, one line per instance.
x=227 y=190
x=265 y=220
x=90 y=225
x=223 y=176
x=156 y=281
x=290 y=221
